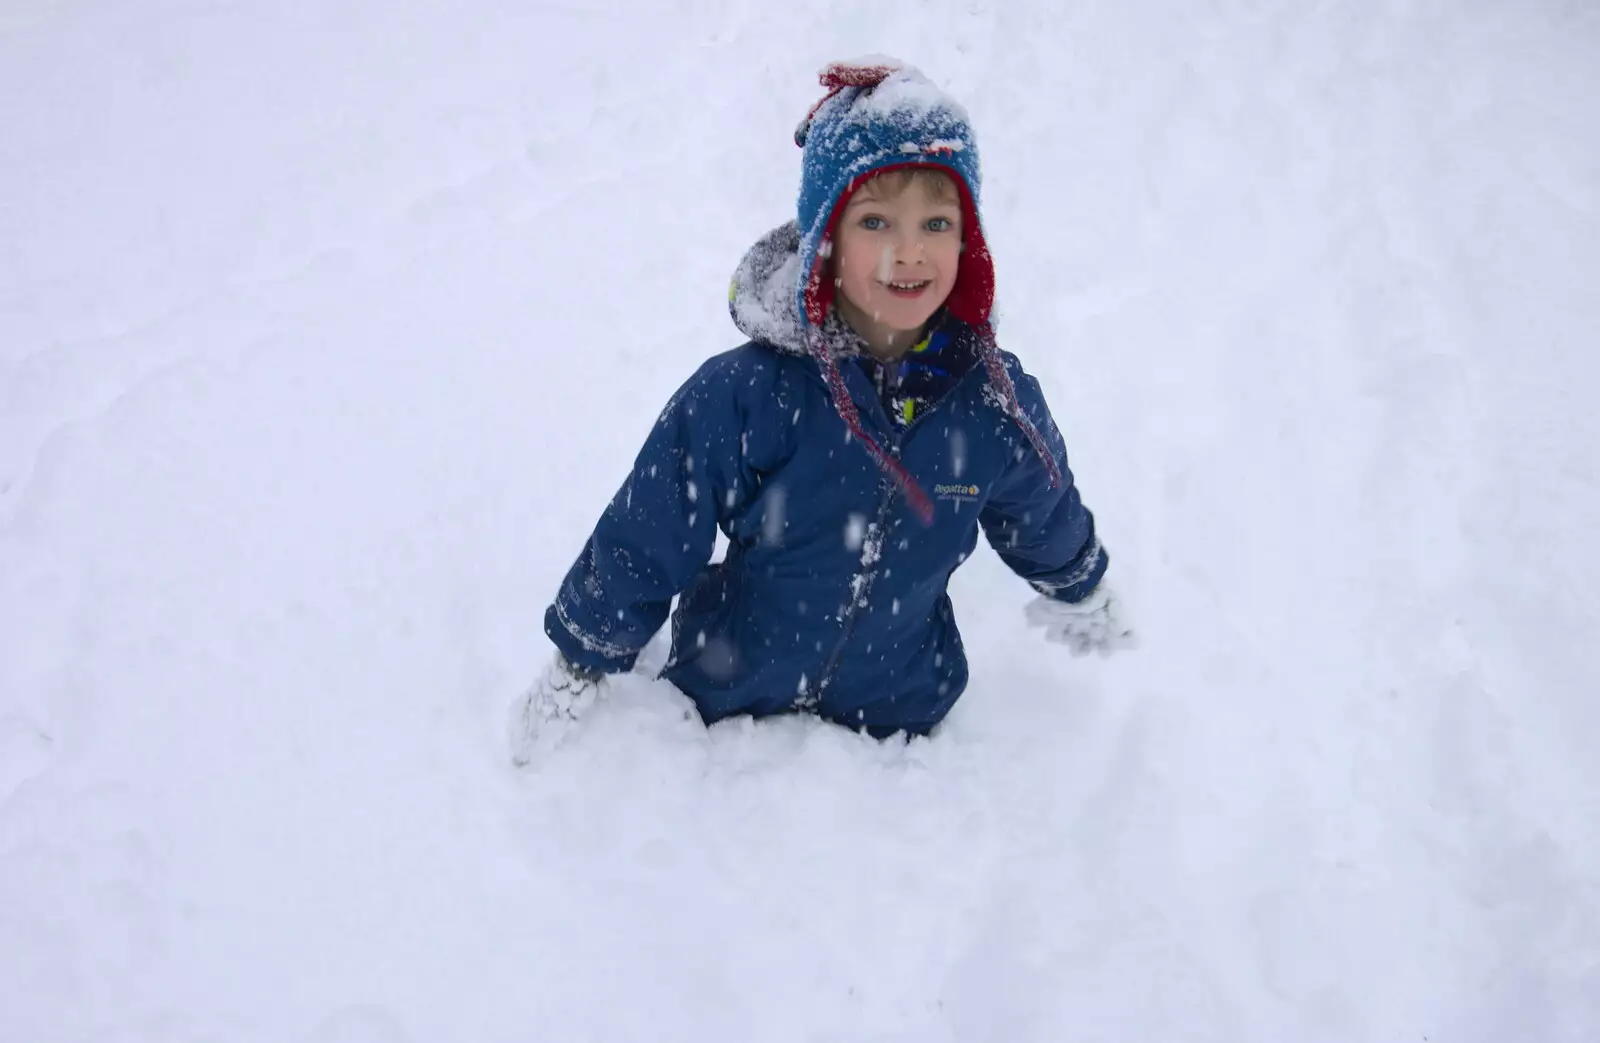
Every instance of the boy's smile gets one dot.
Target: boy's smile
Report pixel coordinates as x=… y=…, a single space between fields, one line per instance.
x=896 y=258
x=909 y=290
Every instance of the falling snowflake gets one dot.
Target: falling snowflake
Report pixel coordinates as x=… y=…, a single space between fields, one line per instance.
x=855 y=531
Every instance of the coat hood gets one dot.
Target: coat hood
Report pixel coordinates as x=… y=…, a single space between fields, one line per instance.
x=765 y=307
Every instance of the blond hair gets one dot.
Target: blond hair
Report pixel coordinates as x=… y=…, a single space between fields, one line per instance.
x=939 y=184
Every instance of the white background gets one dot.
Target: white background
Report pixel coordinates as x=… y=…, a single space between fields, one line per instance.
x=327 y=329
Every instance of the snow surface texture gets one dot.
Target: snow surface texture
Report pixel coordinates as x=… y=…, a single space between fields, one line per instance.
x=326 y=330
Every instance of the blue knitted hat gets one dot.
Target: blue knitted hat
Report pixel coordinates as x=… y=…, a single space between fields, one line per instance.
x=880 y=115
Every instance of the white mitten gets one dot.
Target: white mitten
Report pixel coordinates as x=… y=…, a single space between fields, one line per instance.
x=1094 y=624
x=548 y=710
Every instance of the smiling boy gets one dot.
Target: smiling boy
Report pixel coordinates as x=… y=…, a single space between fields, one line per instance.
x=897 y=249
x=851 y=452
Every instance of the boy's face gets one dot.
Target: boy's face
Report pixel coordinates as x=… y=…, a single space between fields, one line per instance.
x=895 y=262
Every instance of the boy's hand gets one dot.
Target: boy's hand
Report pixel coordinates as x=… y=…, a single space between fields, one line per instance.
x=547 y=711
x=1094 y=624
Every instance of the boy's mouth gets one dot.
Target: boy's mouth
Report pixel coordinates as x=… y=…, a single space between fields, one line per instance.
x=908 y=288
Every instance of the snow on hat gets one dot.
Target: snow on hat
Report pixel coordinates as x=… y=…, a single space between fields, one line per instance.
x=881 y=115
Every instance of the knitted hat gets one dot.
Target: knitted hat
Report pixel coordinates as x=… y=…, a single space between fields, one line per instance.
x=877 y=116
x=880 y=115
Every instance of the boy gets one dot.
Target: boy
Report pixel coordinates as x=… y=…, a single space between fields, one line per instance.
x=850 y=452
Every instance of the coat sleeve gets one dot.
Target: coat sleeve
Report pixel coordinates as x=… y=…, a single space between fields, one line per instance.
x=1045 y=535
x=659 y=530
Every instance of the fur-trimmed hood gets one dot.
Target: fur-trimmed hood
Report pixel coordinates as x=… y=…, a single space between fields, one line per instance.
x=764 y=306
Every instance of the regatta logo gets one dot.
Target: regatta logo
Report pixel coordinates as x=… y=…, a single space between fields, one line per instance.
x=958 y=493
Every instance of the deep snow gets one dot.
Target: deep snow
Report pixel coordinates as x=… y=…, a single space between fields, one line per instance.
x=325 y=333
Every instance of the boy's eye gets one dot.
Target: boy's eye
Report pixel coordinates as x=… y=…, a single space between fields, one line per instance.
x=939 y=224
x=873 y=223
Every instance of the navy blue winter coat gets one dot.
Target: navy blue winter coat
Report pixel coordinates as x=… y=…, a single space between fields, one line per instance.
x=832 y=596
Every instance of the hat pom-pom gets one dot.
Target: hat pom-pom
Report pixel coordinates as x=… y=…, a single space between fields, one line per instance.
x=862 y=72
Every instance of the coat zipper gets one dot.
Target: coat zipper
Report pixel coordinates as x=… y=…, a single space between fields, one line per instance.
x=861 y=583
x=872 y=547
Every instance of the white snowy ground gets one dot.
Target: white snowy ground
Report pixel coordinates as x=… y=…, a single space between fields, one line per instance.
x=327 y=328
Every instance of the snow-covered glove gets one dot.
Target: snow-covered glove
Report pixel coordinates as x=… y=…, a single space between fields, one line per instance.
x=547 y=711
x=1094 y=624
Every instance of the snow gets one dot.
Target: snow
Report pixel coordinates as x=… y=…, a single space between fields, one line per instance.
x=885 y=268
x=326 y=331
x=855 y=531
x=909 y=91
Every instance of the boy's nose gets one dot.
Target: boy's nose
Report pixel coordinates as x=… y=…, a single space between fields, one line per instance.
x=910 y=247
